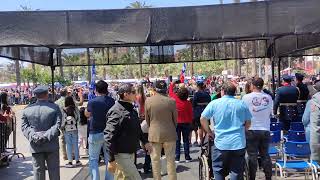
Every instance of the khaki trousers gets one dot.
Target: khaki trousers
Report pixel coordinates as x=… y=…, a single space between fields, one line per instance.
x=126 y=169
x=169 y=150
x=62 y=145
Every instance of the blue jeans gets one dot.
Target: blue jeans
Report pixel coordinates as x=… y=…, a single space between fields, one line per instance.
x=184 y=129
x=71 y=139
x=96 y=143
x=225 y=162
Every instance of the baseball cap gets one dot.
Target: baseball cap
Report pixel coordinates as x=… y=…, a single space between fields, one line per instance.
x=40 y=90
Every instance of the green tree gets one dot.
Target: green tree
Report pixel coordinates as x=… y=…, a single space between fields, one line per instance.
x=137 y=5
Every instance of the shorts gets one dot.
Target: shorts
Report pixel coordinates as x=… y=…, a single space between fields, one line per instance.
x=196 y=124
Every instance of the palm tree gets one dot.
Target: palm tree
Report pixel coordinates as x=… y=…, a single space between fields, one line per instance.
x=60 y=63
x=30 y=50
x=70 y=60
x=139 y=5
x=254 y=62
x=225 y=62
x=235 y=51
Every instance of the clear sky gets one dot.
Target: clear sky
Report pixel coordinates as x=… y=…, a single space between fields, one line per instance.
x=13 y=5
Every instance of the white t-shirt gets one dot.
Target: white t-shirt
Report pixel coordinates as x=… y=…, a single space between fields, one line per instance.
x=260 y=105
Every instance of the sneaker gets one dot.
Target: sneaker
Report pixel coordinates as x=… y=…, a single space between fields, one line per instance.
x=69 y=165
x=177 y=160
x=188 y=159
x=195 y=144
x=78 y=163
x=146 y=170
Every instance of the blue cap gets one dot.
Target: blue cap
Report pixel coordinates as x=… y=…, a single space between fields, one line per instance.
x=200 y=79
x=286 y=77
x=40 y=90
x=299 y=76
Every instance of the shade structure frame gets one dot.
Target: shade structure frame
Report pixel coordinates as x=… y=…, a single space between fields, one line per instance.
x=283 y=20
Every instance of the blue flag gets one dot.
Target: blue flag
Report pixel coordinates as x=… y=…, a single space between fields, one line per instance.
x=92 y=83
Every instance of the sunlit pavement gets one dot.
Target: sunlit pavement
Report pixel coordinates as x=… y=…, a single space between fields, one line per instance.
x=22 y=169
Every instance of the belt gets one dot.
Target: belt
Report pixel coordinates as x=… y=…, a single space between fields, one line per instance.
x=301 y=101
x=288 y=104
x=202 y=104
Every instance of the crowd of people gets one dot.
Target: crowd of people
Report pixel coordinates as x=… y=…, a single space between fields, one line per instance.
x=158 y=117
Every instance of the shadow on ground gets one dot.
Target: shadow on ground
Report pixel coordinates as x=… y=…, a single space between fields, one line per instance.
x=18 y=168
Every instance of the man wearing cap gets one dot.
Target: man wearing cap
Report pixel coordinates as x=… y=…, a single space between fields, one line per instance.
x=258 y=136
x=161 y=116
x=286 y=100
x=40 y=125
x=303 y=94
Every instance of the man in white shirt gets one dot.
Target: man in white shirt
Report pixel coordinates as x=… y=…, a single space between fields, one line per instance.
x=258 y=135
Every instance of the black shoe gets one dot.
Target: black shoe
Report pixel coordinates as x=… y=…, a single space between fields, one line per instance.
x=146 y=170
x=188 y=159
x=177 y=160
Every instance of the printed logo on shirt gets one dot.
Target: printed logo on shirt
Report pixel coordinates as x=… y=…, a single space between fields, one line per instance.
x=260 y=104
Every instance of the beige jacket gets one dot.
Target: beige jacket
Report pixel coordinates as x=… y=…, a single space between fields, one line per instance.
x=161 y=116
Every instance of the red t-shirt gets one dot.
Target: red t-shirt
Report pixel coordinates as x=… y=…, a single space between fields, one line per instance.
x=184 y=107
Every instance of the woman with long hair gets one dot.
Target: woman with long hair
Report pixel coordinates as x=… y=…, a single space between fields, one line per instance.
x=140 y=99
x=184 y=120
x=70 y=120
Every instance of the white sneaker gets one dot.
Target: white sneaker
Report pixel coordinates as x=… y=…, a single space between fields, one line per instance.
x=69 y=165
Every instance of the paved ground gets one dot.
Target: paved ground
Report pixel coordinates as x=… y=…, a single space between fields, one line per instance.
x=22 y=169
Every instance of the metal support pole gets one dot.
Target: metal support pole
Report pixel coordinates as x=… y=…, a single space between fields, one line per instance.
x=52 y=72
x=273 y=79
x=140 y=60
x=52 y=81
x=279 y=73
x=89 y=64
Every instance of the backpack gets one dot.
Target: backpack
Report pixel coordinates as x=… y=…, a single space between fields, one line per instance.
x=70 y=123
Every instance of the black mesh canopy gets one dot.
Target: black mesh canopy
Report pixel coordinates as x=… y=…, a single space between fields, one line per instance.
x=156 y=35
